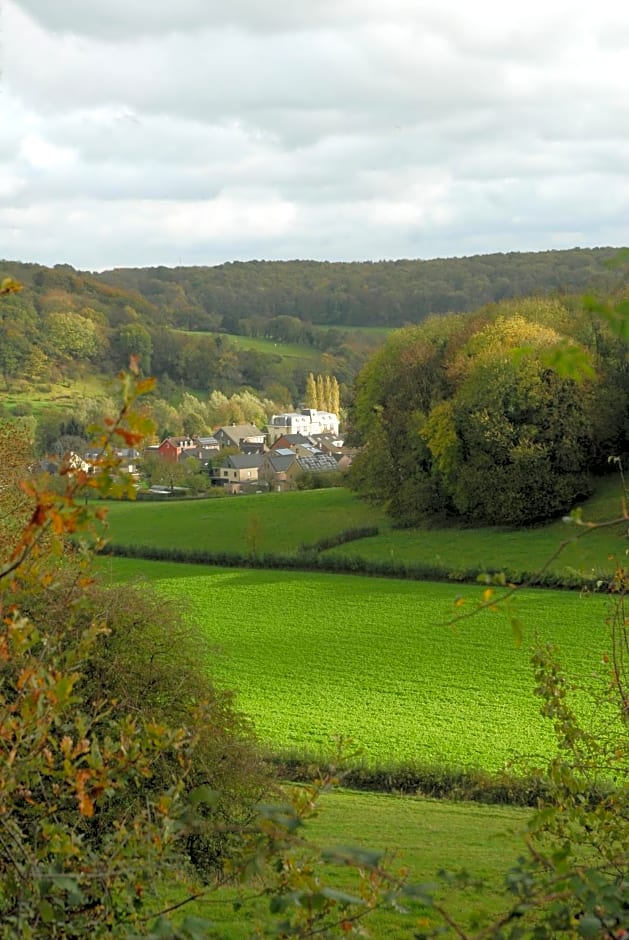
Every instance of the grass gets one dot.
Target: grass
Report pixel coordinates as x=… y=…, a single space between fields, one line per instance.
x=314 y=657
x=293 y=351
x=518 y=550
x=420 y=835
x=284 y=521
x=60 y=396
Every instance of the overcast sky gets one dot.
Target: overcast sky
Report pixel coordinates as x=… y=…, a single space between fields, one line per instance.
x=144 y=132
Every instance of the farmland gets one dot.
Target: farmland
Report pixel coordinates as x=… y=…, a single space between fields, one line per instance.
x=422 y=835
x=315 y=656
x=222 y=524
x=285 y=521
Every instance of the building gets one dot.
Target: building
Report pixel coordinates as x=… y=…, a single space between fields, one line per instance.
x=306 y=422
x=236 y=435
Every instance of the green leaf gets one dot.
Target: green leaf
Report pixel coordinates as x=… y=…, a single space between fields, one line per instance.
x=46 y=911
x=352 y=855
x=589 y=927
x=203 y=795
x=341 y=897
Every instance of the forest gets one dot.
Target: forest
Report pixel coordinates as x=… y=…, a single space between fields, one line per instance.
x=179 y=320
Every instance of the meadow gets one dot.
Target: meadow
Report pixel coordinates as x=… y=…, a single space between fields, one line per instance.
x=284 y=521
x=295 y=352
x=376 y=662
x=421 y=835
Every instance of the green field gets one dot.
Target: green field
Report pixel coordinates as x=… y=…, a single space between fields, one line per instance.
x=313 y=657
x=283 y=521
x=293 y=351
x=421 y=835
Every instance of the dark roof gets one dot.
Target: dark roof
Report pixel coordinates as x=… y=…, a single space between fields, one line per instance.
x=295 y=438
x=280 y=462
x=244 y=461
x=320 y=463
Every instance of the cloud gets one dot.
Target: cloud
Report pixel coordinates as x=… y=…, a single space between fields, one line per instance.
x=203 y=131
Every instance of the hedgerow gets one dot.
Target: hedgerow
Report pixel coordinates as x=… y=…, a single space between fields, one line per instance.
x=313 y=560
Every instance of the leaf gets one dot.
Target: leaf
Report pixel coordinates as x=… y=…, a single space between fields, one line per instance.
x=341 y=897
x=204 y=795
x=589 y=926
x=570 y=362
x=10 y=286
x=46 y=911
x=352 y=855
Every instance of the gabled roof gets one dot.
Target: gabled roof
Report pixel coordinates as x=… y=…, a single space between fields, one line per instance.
x=295 y=438
x=244 y=461
x=240 y=432
x=280 y=462
x=185 y=443
x=320 y=463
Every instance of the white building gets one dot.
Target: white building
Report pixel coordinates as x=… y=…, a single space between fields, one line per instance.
x=307 y=421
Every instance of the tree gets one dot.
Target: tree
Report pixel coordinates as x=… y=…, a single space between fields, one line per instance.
x=479 y=420
x=320 y=393
x=311 y=392
x=133 y=339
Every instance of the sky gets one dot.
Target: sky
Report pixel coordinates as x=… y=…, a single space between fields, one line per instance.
x=168 y=132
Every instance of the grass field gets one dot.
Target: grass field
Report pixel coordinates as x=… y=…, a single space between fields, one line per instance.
x=423 y=836
x=518 y=550
x=293 y=351
x=313 y=657
x=286 y=520
x=61 y=396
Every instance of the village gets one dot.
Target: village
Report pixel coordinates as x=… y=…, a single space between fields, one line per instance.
x=298 y=449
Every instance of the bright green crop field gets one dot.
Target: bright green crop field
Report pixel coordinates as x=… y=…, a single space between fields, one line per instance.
x=286 y=520
x=315 y=656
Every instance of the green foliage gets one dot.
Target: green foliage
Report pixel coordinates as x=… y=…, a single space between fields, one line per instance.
x=485 y=418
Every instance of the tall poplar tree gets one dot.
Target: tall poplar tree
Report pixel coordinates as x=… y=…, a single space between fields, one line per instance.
x=320 y=393
x=311 y=391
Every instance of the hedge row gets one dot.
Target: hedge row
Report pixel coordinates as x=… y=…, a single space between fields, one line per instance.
x=454 y=783
x=348 y=535
x=352 y=565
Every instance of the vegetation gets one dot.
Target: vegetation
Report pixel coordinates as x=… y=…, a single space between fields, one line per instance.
x=421 y=836
x=359 y=666
x=289 y=522
x=102 y=799
x=499 y=418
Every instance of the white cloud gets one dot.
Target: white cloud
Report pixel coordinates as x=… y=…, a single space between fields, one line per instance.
x=155 y=132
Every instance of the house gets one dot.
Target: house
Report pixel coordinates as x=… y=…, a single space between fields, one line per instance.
x=328 y=443
x=318 y=463
x=307 y=421
x=204 y=449
x=235 y=435
x=301 y=445
x=280 y=469
x=290 y=440
x=175 y=449
x=237 y=472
